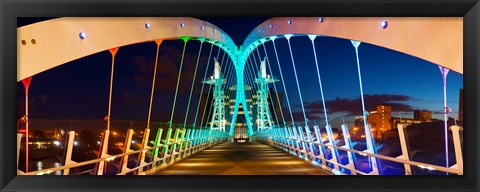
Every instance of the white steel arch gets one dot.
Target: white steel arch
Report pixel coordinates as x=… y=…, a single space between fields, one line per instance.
x=435 y=39
x=48 y=44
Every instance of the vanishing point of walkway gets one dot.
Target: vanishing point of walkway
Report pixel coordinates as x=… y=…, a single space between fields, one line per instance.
x=242 y=159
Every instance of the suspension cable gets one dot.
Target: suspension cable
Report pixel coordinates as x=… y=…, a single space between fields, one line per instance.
x=113 y=52
x=208 y=96
x=193 y=82
x=185 y=39
x=312 y=38
x=251 y=77
x=247 y=80
x=158 y=42
x=296 y=78
x=201 y=91
x=274 y=86
x=209 y=89
x=283 y=82
x=252 y=81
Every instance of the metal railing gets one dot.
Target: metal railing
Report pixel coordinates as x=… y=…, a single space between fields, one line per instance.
x=164 y=152
x=301 y=143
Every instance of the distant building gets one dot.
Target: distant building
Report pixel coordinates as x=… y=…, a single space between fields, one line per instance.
x=422 y=115
x=406 y=121
x=380 y=119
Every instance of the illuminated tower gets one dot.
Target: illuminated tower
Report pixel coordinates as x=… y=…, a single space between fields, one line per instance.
x=264 y=118
x=218 y=118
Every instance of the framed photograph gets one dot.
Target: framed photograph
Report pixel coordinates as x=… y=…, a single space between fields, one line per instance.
x=246 y=96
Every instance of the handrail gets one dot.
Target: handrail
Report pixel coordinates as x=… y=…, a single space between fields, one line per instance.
x=202 y=142
x=276 y=140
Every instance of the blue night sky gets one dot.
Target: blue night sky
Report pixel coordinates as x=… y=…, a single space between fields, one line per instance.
x=79 y=89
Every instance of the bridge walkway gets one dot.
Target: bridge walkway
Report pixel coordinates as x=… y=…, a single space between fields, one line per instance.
x=242 y=159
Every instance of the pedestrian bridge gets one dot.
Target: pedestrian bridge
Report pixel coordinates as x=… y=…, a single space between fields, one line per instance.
x=275 y=145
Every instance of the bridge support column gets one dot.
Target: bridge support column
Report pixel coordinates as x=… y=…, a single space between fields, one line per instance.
x=124 y=159
x=102 y=152
x=310 y=145
x=405 y=148
x=67 y=154
x=187 y=141
x=321 y=148
x=175 y=144
x=302 y=139
x=19 y=141
x=141 y=157
x=348 y=145
x=166 y=144
x=157 y=143
x=332 y=142
x=458 y=148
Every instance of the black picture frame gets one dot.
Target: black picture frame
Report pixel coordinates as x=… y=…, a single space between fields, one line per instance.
x=10 y=10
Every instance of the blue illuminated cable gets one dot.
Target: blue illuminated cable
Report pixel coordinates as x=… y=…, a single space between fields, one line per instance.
x=370 y=144
x=274 y=86
x=203 y=84
x=228 y=76
x=248 y=79
x=312 y=38
x=227 y=79
x=252 y=80
x=296 y=78
x=254 y=89
x=251 y=74
x=193 y=82
x=252 y=77
x=283 y=82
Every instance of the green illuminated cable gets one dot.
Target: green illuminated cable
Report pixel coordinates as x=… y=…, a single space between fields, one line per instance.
x=193 y=82
x=201 y=91
x=185 y=39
